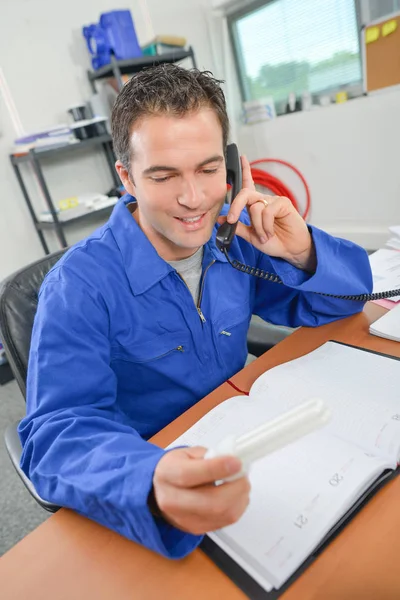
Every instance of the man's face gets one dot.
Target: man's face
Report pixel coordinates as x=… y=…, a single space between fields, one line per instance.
x=178 y=177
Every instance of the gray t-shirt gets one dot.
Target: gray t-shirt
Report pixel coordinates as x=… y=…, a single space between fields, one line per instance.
x=190 y=270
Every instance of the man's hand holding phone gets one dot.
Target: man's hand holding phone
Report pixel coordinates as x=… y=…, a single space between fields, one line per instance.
x=186 y=495
x=276 y=227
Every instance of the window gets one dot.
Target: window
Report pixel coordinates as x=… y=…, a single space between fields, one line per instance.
x=285 y=46
x=377 y=9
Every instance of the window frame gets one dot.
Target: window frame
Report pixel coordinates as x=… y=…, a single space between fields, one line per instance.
x=233 y=15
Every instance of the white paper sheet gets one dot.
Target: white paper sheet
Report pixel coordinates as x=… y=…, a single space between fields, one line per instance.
x=385 y=266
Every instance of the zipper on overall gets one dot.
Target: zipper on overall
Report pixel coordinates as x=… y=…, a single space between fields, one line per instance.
x=198 y=305
x=202 y=317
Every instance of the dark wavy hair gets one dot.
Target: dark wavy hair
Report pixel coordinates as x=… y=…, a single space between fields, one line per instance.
x=164 y=89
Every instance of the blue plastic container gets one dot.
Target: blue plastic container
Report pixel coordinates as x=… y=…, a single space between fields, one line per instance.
x=114 y=34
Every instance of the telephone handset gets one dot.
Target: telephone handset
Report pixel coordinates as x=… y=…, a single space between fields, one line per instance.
x=226 y=233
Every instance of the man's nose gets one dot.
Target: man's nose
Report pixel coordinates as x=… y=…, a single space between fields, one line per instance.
x=190 y=194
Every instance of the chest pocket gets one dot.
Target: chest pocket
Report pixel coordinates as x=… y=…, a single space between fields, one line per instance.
x=231 y=329
x=153 y=364
x=154 y=349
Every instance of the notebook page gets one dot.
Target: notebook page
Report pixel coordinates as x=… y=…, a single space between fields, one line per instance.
x=236 y=416
x=361 y=388
x=257 y=573
x=297 y=495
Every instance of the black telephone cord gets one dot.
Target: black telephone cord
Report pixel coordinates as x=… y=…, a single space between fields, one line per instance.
x=276 y=279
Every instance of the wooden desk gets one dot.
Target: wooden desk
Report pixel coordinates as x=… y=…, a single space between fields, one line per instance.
x=71 y=558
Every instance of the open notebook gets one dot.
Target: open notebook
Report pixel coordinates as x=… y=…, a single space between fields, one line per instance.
x=303 y=490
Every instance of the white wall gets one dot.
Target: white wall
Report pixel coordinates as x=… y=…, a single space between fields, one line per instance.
x=44 y=60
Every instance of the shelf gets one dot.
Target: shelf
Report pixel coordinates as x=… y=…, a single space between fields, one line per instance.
x=101 y=212
x=100 y=139
x=133 y=65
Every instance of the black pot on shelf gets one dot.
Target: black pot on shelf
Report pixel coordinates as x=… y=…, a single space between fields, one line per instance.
x=100 y=124
x=84 y=130
x=80 y=112
x=89 y=128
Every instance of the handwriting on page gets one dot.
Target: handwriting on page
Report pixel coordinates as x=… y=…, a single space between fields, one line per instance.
x=301 y=521
x=336 y=479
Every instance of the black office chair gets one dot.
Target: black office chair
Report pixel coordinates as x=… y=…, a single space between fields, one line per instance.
x=262 y=336
x=18 y=303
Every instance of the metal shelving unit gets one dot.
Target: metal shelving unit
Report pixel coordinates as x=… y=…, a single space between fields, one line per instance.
x=117 y=68
x=34 y=157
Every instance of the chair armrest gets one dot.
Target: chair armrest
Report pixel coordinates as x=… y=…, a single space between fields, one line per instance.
x=14 y=450
x=262 y=335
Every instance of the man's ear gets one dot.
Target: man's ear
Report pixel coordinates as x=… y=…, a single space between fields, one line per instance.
x=125 y=178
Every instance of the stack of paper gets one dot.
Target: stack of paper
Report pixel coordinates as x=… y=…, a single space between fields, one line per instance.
x=50 y=138
x=394 y=241
x=385 y=266
x=388 y=326
x=85 y=204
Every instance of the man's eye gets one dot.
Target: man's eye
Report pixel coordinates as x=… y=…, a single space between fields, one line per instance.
x=161 y=179
x=210 y=171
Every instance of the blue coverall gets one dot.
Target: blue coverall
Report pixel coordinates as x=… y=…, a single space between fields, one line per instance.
x=119 y=349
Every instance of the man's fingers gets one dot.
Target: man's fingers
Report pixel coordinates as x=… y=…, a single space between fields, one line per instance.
x=245 y=232
x=223 y=504
x=256 y=215
x=244 y=198
x=196 y=451
x=242 y=230
x=247 y=179
x=279 y=206
x=185 y=491
x=268 y=219
x=263 y=212
x=188 y=469
x=206 y=508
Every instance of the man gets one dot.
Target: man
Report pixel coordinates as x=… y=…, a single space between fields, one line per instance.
x=142 y=319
